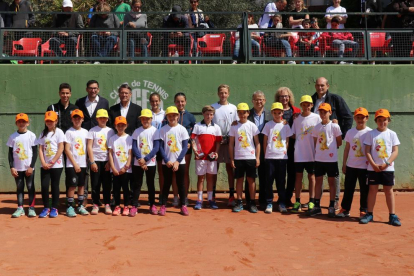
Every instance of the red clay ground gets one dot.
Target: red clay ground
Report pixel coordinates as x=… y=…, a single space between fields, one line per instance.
x=208 y=243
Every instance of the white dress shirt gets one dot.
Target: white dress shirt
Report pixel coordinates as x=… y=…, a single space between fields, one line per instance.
x=124 y=110
x=91 y=106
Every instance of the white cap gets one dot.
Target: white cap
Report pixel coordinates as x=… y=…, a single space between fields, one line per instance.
x=67 y=4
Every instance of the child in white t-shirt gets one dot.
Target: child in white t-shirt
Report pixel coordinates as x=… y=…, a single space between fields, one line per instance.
x=97 y=145
x=206 y=138
x=145 y=145
x=276 y=143
x=355 y=164
x=51 y=142
x=304 y=150
x=327 y=138
x=75 y=149
x=244 y=151
x=381 y=148
x=173 y=147
x=22 y=159
x=120 y=157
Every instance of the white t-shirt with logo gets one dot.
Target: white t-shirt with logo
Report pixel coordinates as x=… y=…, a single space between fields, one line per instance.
x=356 y=156
x=157 y=119
x=22 y=144
x=244 y=148
x=267 y=17
x=77 y=141
x=381 y=147
x=304 y=145
x=326 y=147
x=224 y=116
x=145 y=142
x=100 y=137
x=172 y=138
x=50 y=144
x=332 y=12
x=276 y=133
x=120 y=145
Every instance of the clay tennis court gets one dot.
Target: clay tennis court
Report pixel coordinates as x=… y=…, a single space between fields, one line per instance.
x=208 y=243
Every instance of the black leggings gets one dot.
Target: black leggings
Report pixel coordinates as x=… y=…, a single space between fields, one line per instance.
x=351 y=177
x=138 y=174
x=121 y=181
x=51 y=178
x=101 y=177
x=30 y=188
x=179 y=179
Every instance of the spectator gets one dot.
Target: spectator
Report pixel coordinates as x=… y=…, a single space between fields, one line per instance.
x=134 y=20
x=265 y=20
x=315 y=25
x=341 y=40
x=306 y=42
x=66 y=21
x=296 y=20
x=3 y=17
x=402 y=42
x=23 y=18
x=341 y=114
x=180 y=21
x=121 y=7
x=196 y=20
x=336 y=11
x=209 y=22
x=255 y=39
x=374 y=21
x=278 y=39
x=103 y=42
x=93 y=9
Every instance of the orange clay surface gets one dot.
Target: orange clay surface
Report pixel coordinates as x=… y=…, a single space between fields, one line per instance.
x=208 y=242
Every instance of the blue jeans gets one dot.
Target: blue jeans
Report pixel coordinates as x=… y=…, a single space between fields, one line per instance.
x=131 y=47
x=103 y=45
x=255 y=47
x=278 y=43
x=341 y=44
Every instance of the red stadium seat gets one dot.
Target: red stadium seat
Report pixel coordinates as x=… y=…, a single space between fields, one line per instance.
x=172 y=48
x=30 y=47
x=213 y=44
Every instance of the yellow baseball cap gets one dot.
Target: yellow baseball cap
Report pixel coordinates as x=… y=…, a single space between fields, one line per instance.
x=361 y=111
x=243 y=107
x=102 y=113
x=22 y=116
x=51 y=116
x=171 y=110
x=306 y=98
x=277 y=106
x=77 y=112
x=382 y=113
x=120 y=120
x=146 y=113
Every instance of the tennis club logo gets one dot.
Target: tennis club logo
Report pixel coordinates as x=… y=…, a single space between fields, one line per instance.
x=141 y=90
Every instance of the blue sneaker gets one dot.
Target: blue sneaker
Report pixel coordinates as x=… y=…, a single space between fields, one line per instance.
x=53 y=213
x=394 y=220
x=238 y=207
x=45 y=212
x=212 y=204
x=198 y=205
x=367 y=218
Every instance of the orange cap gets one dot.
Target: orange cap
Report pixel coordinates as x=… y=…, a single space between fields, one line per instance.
x=120 y=120
x=51 y=116
x=382 y=113
x=361 y=111
x=22 y=116
x=325 y=106
x=77 y=112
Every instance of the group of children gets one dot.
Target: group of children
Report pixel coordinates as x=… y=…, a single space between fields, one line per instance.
x=369 y=158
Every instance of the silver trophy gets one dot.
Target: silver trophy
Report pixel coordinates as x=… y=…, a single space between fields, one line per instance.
x=197 y=147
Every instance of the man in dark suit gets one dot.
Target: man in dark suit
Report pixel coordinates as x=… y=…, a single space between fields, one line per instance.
x=126 y=109
x=91 y=104
x=260 y=116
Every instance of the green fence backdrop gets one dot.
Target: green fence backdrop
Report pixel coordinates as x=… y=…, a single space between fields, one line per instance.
x=31 y=88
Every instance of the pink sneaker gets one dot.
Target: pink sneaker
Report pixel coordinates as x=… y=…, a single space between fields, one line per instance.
x=162 y=210
x=133 y=211
x=126 y=211
x=108 y=209
x=117 y=211
x=184 y=211
x=153 y=210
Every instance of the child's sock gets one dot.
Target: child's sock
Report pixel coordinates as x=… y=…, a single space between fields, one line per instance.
x=252 y=202
x=370 y=213
x=332 y=203
x=210 y=195
x=70 y=201
x=298 y=199
x=312 y=200
x=200 y=195
x=80 y=200
x=317 y=202
x=214 y=191
x=231 y=192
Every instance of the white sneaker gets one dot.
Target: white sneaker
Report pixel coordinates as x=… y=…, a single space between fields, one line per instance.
x=96 y=62
x=254 y=62
x=234 y=62
x=343 y=62
x=336 y=206
x=175 y=202
x=291 y=62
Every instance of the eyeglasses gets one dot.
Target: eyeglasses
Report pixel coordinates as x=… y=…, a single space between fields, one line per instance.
x=284 y=96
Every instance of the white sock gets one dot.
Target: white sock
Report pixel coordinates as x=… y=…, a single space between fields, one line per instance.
x=210 y=195
x=200 y=195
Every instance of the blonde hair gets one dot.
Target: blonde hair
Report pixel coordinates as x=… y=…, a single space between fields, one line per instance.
x=285 y=89
x=103 y=7
x=293 y=5
x=208 y=108
x=223 y=86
